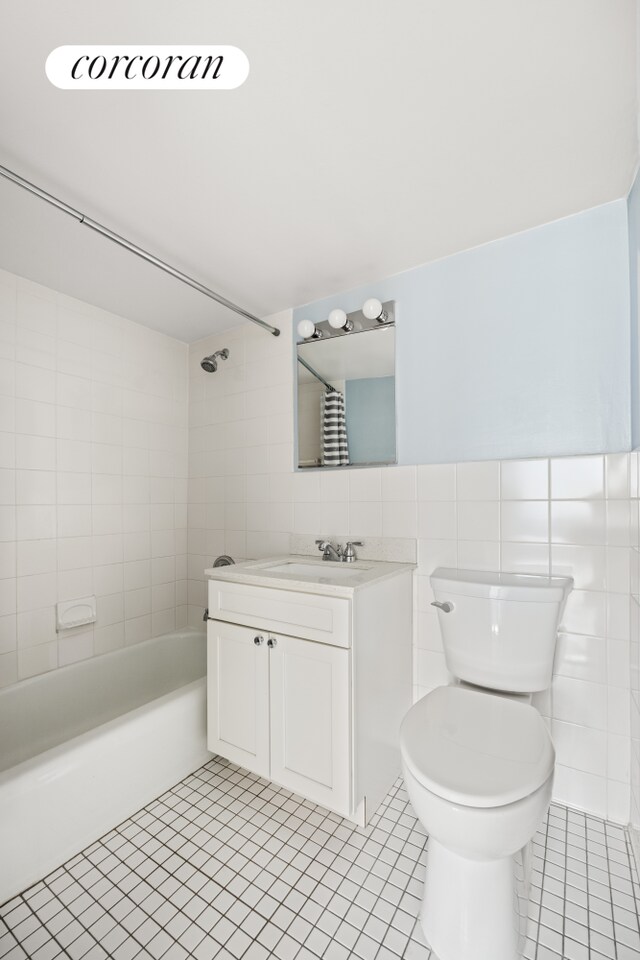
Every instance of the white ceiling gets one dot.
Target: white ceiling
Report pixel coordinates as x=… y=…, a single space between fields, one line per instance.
x=370 y=137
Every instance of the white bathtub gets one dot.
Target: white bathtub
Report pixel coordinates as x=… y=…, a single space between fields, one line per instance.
x=84 y=747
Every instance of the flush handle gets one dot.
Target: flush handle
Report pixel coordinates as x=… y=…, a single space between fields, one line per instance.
x=446 y=607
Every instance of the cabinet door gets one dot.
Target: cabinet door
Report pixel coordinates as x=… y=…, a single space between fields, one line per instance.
x=238 y=695
x=310 y=720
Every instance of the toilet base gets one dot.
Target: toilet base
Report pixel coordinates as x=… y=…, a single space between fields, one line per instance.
x=475 y=909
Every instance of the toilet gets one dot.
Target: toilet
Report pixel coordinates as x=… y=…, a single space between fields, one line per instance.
x=478 y=760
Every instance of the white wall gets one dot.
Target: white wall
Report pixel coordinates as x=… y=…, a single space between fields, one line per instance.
x=93 y=465
x=633 y=217
x=633 y=210
x=240 y=450
x=566 y=515
x=635 y=646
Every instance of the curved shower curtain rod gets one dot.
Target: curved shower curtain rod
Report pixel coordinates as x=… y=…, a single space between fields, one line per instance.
x=128 y=245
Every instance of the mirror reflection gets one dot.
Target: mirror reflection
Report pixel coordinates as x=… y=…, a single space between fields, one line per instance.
x=346 y=399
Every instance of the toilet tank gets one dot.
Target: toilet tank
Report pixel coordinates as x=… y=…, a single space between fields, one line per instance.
x=500 y=631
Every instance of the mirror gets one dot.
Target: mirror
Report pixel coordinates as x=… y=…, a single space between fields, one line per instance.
x=346 y=398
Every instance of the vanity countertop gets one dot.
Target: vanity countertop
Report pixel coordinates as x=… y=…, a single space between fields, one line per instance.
x=309 y=574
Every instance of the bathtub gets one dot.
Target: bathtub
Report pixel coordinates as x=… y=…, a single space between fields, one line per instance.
x=84 y=747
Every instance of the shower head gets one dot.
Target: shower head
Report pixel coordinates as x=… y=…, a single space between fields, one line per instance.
x=210 y=364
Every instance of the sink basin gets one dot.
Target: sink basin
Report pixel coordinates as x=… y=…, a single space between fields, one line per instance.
x=325 y=569
x=296 y=572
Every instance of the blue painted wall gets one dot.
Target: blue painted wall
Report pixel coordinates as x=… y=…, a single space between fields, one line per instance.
x=518 y=348
x=371 y=419
x=633 y=210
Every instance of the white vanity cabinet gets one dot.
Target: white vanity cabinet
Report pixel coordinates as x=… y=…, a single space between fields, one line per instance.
x=308 y=687
x=281 y=710
x=238 y=696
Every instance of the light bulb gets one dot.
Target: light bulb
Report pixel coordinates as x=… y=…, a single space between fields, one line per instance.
x=337 y=319
x=372 y=308
x=306 y=329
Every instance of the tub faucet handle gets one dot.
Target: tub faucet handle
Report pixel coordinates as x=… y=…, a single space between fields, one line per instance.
x=446 y=607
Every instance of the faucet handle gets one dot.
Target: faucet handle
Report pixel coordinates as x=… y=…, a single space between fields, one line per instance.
x=349 y=554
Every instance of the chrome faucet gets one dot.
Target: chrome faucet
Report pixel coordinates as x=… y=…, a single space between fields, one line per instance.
x=329 y=552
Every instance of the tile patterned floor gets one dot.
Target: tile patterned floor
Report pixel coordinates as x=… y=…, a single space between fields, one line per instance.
x=226 y=865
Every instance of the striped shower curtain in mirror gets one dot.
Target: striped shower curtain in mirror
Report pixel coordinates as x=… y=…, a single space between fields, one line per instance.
x=335 y=449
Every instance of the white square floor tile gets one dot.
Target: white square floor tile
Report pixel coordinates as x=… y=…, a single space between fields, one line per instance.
x=228 y=866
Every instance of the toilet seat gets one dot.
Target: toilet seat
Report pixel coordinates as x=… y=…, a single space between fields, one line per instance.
x=476 y=749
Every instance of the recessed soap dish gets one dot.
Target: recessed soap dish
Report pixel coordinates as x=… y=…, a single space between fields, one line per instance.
x=75 y=613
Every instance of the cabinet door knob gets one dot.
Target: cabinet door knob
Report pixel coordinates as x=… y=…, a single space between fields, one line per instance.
x=258 y=641
x=272 y=642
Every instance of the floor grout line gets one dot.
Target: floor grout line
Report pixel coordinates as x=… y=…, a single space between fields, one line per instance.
x=227 y=865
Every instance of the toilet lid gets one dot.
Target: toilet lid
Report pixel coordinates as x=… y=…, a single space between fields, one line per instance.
x=476 y=749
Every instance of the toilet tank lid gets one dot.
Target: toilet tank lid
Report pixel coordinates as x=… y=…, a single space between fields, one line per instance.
x=501 y=586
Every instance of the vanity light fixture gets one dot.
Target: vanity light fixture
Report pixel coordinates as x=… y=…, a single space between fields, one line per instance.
x=308 y=330
x=340 y=321
x=374 y=315
x=373 y=310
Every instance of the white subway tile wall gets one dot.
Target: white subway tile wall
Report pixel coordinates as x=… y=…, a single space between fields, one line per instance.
x=93 y=478
x=566 y=516
x=241 y=493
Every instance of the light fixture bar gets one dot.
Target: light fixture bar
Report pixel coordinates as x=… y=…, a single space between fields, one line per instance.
x=340 y=324
x=85 y=221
